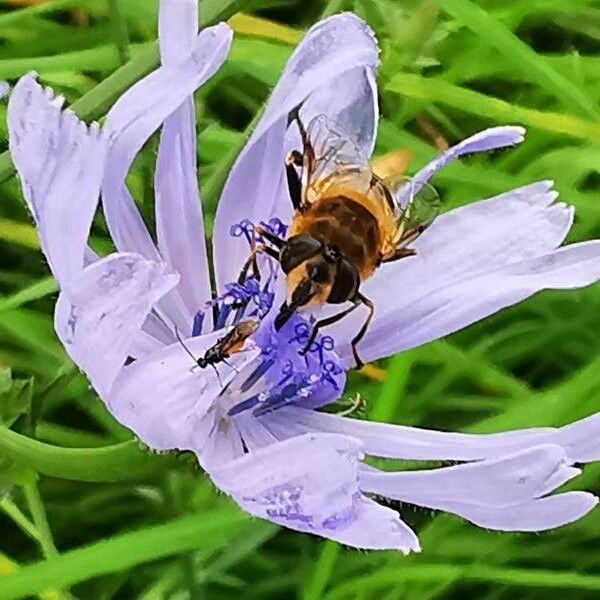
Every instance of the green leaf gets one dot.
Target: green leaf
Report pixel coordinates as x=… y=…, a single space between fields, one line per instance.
x=95 y=103
x=206 y=530
x=15 y=397
x=521 y=56
x=436 y=90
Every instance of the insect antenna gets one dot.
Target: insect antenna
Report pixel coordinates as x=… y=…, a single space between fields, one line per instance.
x=186 y=349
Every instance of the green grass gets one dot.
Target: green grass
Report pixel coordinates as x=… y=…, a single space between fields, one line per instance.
x=86 y=512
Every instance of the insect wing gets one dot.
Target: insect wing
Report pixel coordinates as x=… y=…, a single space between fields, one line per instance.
x=420 y=204
x=332 y=157
x=234 y=340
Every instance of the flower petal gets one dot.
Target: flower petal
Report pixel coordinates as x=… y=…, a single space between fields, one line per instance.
x=165 y=402
x=100 y=312
x=579 y=440
x=177 y=29
x=336 y=61
x=508 y=480
x=489 y=139
x=536 y=515
x=179 y=224
x=310 y=483
x=136 y=115
x=403 y=325
x=465 y=242
x=60 y=162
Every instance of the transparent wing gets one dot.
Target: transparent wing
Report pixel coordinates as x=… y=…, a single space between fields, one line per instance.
x=421 y=205
x=330 y=156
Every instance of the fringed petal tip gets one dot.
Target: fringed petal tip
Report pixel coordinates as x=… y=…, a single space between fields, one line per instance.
x=349 y=19
x=310 y=483
x=60 y=162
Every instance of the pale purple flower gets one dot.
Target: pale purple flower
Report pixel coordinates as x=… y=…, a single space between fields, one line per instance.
x=258 y=433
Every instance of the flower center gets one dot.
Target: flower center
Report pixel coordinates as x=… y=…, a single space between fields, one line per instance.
x=284 y=374
x=287 y=371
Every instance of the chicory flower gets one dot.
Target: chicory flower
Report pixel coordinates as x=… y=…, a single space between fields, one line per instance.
x=256 y=427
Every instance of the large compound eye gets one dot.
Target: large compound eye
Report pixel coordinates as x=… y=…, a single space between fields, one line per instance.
x=298 y=249
x=346 y=283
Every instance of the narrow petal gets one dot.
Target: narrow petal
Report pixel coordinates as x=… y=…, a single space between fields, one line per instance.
x=310 y=483
x=179 y=224
x=580 y=439
x=489 y=139
x=400 y=325
x=60 y=161
x=164 y=401
x=4 y=89
x=536 y=515
x=505 y=481
x=332 y=69
x=136 y=115
x=399 y=441
x=177 y=29
x=102 y=310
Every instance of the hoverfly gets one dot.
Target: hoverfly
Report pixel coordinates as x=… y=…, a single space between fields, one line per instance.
x=346 y=223
x=231 y=343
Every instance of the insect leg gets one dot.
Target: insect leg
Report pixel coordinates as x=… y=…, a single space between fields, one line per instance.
x=359 y=336
x=398 y=254
x=308 y=156
x=271 y=238
x=325 y=323
x=293 y=159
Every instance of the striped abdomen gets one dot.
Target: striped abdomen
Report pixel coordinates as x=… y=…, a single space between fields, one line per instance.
x=346 y=224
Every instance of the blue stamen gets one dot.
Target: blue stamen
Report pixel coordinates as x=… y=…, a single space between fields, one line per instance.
x=224 y=312
x=264 y=366
x=242 y=406
x=197 y=325
x=245 y=227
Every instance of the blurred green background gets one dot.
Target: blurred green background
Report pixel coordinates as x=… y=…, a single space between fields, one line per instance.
x=85 y=513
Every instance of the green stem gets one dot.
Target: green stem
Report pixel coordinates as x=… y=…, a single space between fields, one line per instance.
x=119 y=31
x=12 y=511
x=38 y=512
x=118 y=462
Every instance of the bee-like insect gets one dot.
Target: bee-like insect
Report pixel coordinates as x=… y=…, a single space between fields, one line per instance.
x=346 y=223
x=231 y=343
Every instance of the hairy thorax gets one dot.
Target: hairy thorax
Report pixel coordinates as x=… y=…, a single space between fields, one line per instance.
x=346 y=224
